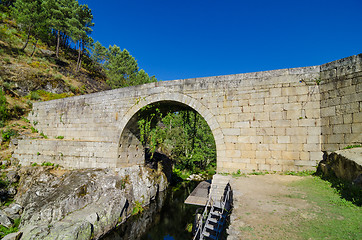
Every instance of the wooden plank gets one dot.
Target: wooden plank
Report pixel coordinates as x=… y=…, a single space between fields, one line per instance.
x=200 y=194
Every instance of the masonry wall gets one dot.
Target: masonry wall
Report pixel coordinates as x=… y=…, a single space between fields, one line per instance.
x=341 y=96
x=275 y=120
x=67 y=153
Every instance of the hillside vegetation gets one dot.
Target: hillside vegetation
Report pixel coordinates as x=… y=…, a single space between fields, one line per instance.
x=46 y=52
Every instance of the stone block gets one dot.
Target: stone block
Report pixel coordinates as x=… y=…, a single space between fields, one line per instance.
x=357 y=117
x=304 y=156
x=295 y=147
x=277 y=168
x=296 y=131
x=275 y=92
x=264 y=167
x=269 y=139
x=234 y=153
x=357 y=128
x=265 y=131
x=305 y=163
x=231 y=131
x=262 y=154
x=281 y=123
x=277 y=147
x=242 y=124
x=328 y=111
x=256 y=139
x=248 y=154
x=288 y=155
x=262 y=147
x=313 y=139
x=312 y=147
x=342 y=128
x=248 y=132
x=278 y=115
x=283 y=139
x=316 y=156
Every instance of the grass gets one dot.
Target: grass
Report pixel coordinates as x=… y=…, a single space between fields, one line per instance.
x=5 y=231
x=335 y=217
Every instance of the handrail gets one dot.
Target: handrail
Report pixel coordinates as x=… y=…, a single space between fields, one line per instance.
x=223 y=201
x=203 y=215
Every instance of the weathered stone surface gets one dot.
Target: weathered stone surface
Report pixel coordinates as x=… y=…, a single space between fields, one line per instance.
x=4 y=220
x=280 y=107
x=79 y=204
x=13 y=236
x=344 y=164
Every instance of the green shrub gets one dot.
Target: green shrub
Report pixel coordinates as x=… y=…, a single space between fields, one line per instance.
x=25 y=119
x=352 y=146
x=59 y=137
x=47 y=164
x=34 y=96
x=33 y=130
x=8 y=133
x=4 y=114
x=17 y=111
x=43 y=135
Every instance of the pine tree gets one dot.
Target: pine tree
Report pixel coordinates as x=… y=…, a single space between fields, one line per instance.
x=30 y=15
x=121 y=67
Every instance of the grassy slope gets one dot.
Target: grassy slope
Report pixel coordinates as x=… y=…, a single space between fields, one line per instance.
x=25 y=79
x=334 y=217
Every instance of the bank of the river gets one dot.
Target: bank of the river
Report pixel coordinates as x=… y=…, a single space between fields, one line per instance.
x=167 y=217
x=82 y=204
x=277 y=206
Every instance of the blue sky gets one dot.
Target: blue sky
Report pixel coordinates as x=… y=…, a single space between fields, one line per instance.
x=174 y=39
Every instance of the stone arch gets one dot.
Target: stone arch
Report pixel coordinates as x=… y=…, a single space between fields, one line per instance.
x=126 y=121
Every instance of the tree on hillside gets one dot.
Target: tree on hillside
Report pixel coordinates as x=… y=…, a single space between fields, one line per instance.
x=60 y=15
x=142 y=77
x=30 y=15
x=121 y=67
x=80 y=28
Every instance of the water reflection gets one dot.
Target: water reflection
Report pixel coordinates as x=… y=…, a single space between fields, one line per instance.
x=165 y=218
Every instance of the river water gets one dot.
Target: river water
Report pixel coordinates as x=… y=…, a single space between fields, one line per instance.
x=167 y=217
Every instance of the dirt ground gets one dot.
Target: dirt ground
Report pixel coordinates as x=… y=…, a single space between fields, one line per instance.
x=265 y=207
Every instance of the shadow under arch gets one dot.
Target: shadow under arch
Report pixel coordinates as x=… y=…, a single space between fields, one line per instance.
x=130 y=149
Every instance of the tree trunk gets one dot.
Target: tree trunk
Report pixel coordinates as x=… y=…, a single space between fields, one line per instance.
x=34 y=47
x=58 y=41
x=27 y=40
x=79 y=56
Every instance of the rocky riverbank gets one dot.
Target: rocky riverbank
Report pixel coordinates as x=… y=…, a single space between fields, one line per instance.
x=81 y=204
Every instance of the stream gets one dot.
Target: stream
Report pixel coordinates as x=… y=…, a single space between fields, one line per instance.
x=167 y=217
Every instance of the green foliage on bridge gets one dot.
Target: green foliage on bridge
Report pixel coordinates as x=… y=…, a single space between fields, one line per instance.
x=184 y=136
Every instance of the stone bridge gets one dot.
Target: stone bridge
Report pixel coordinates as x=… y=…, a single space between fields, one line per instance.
x=274 y=120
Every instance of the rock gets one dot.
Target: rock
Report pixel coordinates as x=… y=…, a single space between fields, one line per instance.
x=344 y=164
x=4 y=220
x=82 y=202
x=12 y=176
x=12 y=191
x=13 y=142
x=13 y=236
x=13 y=209
x=92 y=218
x=358 y=181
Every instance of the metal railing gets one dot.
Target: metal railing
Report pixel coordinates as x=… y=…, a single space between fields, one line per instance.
x=203 y=216
x=223 y=201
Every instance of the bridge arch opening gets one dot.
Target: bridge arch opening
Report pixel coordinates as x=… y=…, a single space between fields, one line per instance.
x=131 y=150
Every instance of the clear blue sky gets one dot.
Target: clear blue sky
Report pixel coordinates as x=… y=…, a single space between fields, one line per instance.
x=175 y=39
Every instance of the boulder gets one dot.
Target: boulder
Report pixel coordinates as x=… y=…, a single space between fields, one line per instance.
x=5 y=220
x=87 y=202
x=344 y=164
x=13 y=236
